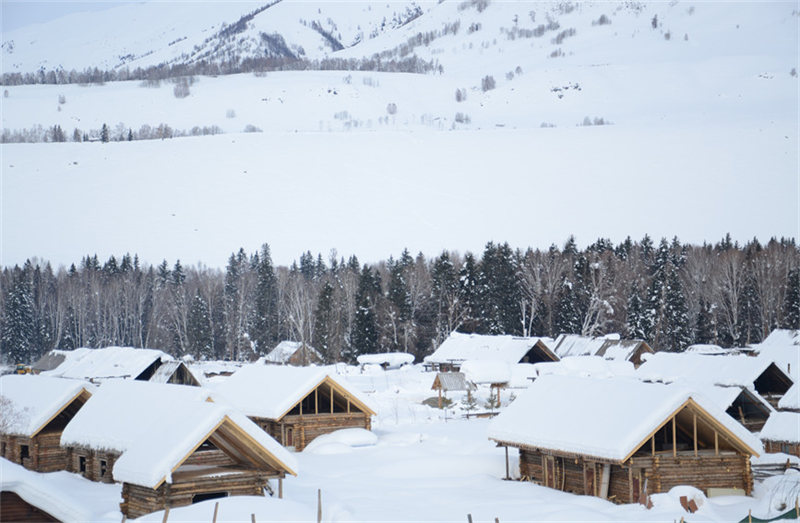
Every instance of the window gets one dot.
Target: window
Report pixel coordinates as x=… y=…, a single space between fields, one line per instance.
x=197 y=498
x=103 y=468
x=82 y=464
x=24 y=452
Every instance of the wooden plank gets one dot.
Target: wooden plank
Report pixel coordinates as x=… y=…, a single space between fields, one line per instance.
x=316 y=401
x=674 y=439
x=331 y=399
x=694 y=431
x=716 y=442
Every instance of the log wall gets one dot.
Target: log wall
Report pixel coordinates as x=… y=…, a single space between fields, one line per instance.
x=704 y=471
x=782 y=446
x=137 y=500
x=14 y=508
x=309 y=426
x=45 y=453
x=94 y=466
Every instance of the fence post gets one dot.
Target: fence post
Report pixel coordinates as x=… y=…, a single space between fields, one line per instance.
x=216 y=509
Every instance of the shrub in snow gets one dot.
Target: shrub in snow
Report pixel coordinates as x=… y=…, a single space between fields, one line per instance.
x=5 y=93
x=461 y=95
x=793 y=72
x=61 y=99
x=603 y=20
x=230 y=113
x=487 y=83
x=462 y=118
x=510 y=75
x=667 y=35
x=546 y=125
x=518 y=70
x=391 y=108
x=181 y=89
x=250 y=128
x=555 y=54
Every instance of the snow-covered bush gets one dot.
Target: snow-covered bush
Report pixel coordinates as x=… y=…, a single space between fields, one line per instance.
x=487 y=83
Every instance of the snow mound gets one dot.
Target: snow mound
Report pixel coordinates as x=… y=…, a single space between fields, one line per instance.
x=486 y=371
x=341 y=441
x=391 y=360
x=237 y=508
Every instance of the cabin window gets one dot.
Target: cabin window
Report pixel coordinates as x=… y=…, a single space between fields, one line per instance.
x=3 y=449
x=197 y=498
x=24 y=452
x=103 y=468
x=82 y=464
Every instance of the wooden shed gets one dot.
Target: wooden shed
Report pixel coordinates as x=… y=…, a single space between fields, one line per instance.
x=458 y=348
x=622 y=439
x=445 y=382
x=33 y=413
x=293 y=353
x=296 y=404
x=170 y=448
x=781 y=433
x=608 y=348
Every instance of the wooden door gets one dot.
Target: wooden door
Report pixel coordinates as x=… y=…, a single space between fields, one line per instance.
x=550 y=471
x=636 y=486
x=589 y=479
x=289 y=437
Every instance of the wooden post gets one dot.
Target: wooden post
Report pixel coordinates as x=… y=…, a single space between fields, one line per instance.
x=319 y=505
x=694 y=433
x=216 y=510
x=750 y=516
x=252 y=518
x=316 y=402
x=166 y=515
x=674 y=439
x=440 y=397
x=301 y=406
x=507 y=475
x=469 y=518
x=331 y=399
x=348 y=405
x=280 y=488
x=653 y=445
x=716 y=443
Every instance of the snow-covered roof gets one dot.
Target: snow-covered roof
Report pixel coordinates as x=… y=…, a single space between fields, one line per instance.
x=63 y=495
x=459 y=347
x=586 y=366
x=268 y=391
x=609 y=347
x=705 y=348
x=286 y=349
x=791 y=400
x=720 y=370
x=782 y=426
x=451 y=381
x=391 y=360
x=486 y=371
x=155 y=427
x=604 y=418
x=167 y=369
x=35 y=400
x=783 y=347
x=109 y=362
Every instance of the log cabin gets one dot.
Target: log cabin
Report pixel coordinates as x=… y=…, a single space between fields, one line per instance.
x=742 y=404
x=33 y=413
x=98 y=365
x=608 y=348
x=781 y=433
x=295 y=404
x=458 y=348
x=293 y=353
x=759 y=374
x=170 y=446
x=623 y=439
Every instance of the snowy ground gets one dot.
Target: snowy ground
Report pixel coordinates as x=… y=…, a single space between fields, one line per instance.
x=423 y=464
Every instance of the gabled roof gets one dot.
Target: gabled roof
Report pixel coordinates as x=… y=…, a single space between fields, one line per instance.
x=606 y=419
x=63 y=495
x=107 y=363
x=167 y=369
x=720 y=370
x=36 y=400
x=725 y=396
x=782 y=426
x=283 y=352
x=270 y=392
x=608 y=348
x=783 y=347
x=460 y=347
x=791 y=400
x=155 y=427
x=451 y=381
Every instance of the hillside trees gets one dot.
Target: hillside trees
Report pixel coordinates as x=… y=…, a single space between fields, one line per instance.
x=671 y=295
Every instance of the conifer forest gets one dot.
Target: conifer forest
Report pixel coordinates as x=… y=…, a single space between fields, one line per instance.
x=668 y=293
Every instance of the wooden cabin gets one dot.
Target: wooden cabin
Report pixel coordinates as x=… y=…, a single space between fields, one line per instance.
x=98 y=365
x=614 y=349
x=742 y=404
x=294 y=353
x=757 y=374
x=296 y=404
x=170 y=448
x=33 y=413
x=622 y=439
x=458 y=348
x=445 y=382
x=781 y=433
x=14 y=508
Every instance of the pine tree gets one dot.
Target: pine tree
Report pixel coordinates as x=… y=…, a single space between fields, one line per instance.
x=16 y=337
x=364 y=334
x=444 y=293
x=791 y=301
x=704 y=326
x=499 y=291
x=567 y=320
x=266 y=306
x=468 y=290
x=636 y=322
x=104 y=134
x=677 y=332
x=323 y=323
x=200 y=337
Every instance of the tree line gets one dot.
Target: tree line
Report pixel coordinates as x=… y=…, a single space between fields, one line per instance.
x=671 y=294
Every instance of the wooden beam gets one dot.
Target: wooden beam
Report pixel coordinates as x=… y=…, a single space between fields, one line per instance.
x=316 y=402
x=331 y=399
x=507 y=476
x=674 y=439
x=348 y=405
x=716 y=443
x=653 y=445
x=694 y=431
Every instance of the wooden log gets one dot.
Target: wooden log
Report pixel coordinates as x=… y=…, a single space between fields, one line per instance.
x=216 y=511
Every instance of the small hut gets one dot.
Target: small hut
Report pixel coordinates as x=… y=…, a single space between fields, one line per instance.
x=781 y=433
x=170 y=448
x=458 y=348
x=295 y=404
x=622 y=439
x=754 y=373
x=33 y=413
x=293 y=353
x=445 y=382
x=606 y=347
x=98 y=365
